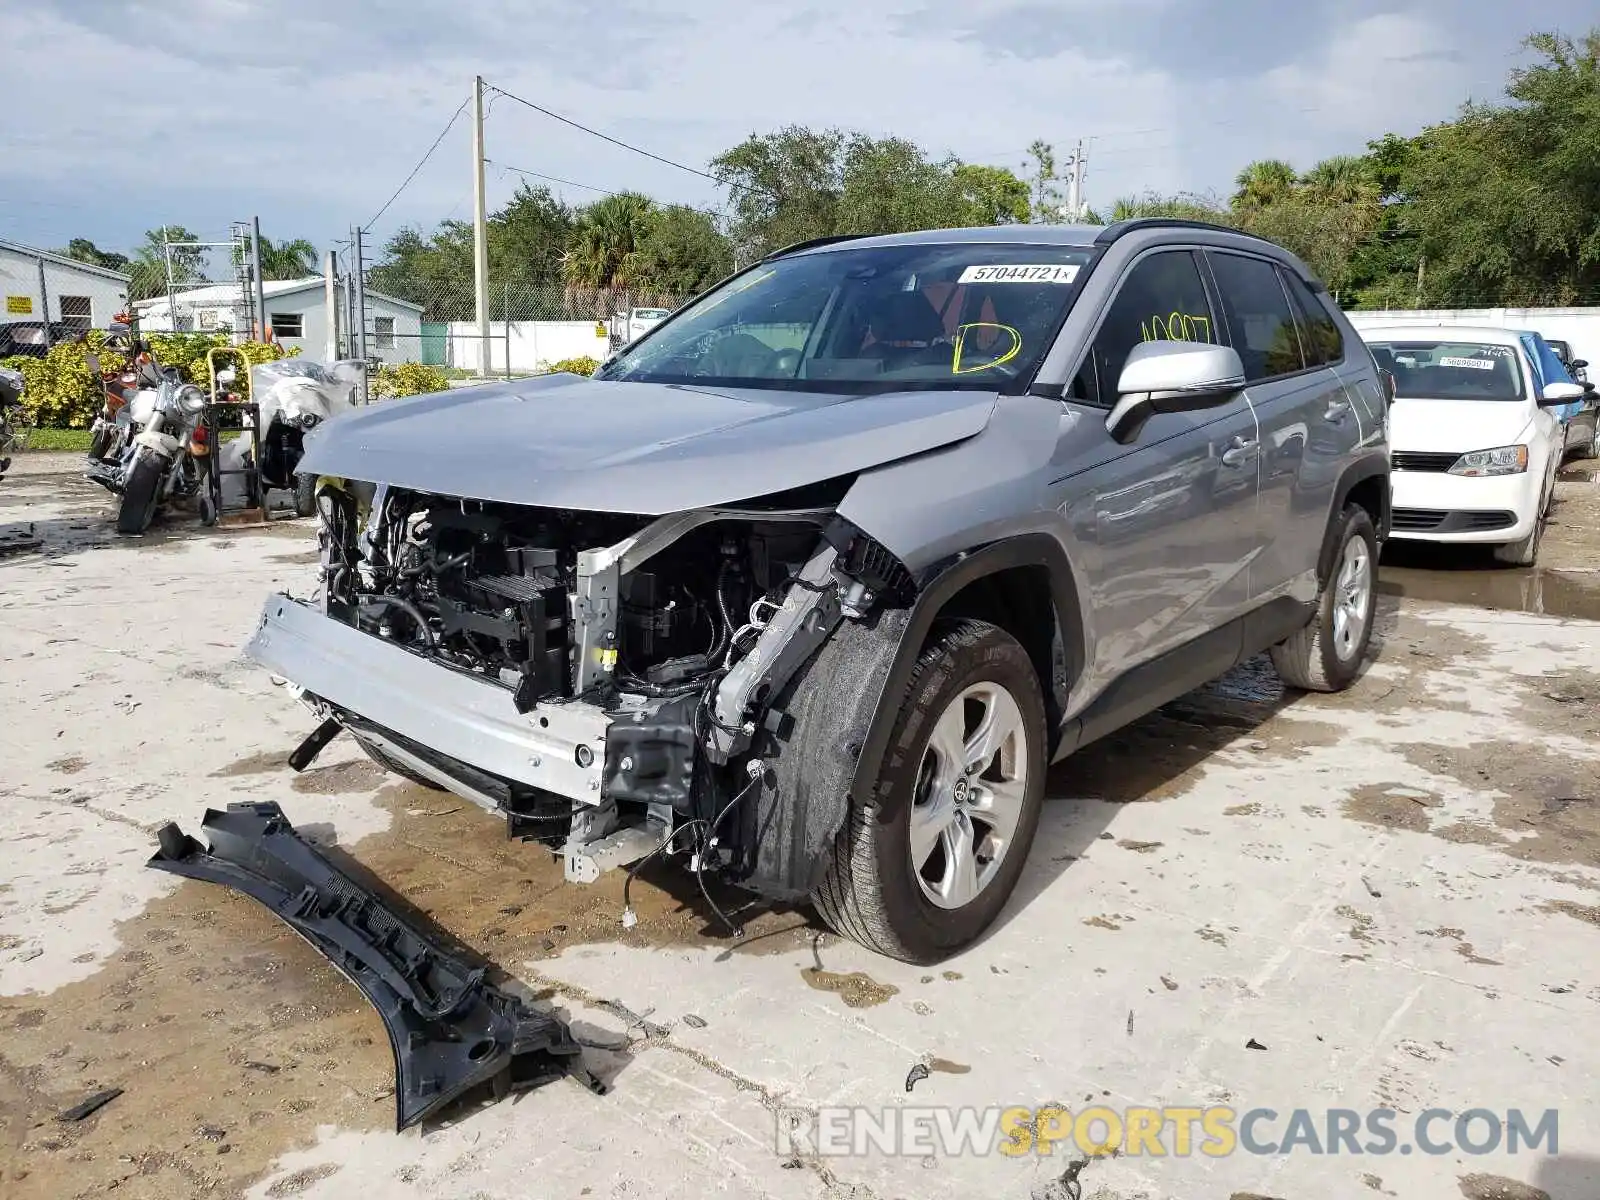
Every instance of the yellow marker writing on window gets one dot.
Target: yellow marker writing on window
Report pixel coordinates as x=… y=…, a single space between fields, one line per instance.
x=1177 y=327
x=961 y=338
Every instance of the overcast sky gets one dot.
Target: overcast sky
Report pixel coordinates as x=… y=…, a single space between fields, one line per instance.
x=309 y=113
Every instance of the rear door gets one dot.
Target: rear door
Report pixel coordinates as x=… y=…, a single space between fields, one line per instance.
x=1166 y=522
x=1309 y=426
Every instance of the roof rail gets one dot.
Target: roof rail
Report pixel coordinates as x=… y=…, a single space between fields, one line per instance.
x=1121 y=228
x=812 y=243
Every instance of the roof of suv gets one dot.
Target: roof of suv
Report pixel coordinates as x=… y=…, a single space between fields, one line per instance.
x=1031 y=235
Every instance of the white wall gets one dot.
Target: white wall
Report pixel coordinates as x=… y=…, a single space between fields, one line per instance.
x=313 y=311
x=1580 y=327
x=311 y=304
x=534 y=344
x=19 y=276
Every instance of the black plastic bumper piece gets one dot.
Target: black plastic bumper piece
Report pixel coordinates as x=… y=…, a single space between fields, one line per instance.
x=450 y=1031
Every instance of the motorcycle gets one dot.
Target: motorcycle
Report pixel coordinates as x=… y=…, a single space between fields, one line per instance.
x=13 y=417
x=144 y=455
x=294 y=396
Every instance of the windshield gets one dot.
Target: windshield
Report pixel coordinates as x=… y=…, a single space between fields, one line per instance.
x=1451 y=370
x=893 y=318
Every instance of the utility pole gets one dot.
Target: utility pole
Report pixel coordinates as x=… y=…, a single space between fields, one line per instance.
x=255 y=270
x=359 y=332
x=480 y=230
x=1075 y=194
x=1422 y=275
x=44 y=307
x=330 y=301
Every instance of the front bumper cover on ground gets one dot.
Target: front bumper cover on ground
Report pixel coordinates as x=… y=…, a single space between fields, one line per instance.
x=450 y=1030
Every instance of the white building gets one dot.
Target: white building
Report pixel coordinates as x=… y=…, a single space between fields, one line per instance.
x=297 y=312
x=74 y=293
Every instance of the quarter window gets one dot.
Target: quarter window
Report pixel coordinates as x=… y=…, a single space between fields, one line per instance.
x=1161 y=300
x=1259 y=319
x=1319 y=332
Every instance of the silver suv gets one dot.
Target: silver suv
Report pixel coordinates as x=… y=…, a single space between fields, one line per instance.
x=808 y=586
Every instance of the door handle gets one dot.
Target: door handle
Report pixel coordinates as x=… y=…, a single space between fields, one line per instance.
x=1240 y=451
x=1337 y=411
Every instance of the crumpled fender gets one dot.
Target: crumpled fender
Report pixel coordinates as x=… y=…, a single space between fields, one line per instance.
x=450 y=1030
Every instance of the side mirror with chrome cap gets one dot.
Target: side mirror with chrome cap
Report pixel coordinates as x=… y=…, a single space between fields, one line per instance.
x=1169 y=377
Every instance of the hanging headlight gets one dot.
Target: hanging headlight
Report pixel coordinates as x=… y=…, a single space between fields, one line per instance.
x=191 y=399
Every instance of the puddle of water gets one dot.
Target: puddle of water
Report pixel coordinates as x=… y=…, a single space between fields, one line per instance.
x=857 y=989
x=1425 y=573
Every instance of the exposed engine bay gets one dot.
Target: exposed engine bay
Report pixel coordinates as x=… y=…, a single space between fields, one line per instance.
x=645 y=654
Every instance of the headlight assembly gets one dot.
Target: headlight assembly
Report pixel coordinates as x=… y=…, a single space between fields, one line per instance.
x=1502 y=460
x=191 y=398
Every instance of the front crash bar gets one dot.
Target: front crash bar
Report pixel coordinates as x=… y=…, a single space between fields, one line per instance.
x=450 y=1031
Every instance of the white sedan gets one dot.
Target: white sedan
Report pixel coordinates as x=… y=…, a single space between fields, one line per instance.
x=1473 y=444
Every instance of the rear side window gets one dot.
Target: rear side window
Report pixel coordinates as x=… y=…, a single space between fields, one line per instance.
x=1162 y=299
x=1319 y=332
x=1258 y=315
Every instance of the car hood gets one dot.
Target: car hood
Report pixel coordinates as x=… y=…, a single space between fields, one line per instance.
x=1457 y=425
x=564 y=441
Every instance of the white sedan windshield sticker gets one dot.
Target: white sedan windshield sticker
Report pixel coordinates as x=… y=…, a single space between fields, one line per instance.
x=1475 y=364
x=1020 y=273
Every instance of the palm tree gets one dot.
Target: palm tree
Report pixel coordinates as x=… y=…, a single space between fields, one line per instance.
x=1342 y=179
x=288 y=260
x=1263 y=183
x=600 y=252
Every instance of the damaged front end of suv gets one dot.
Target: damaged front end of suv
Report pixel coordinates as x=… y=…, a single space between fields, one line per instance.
x=611 y=683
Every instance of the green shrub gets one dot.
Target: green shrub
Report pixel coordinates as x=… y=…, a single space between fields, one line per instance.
x=408 y=379
x=59 y=392
x=576 y=366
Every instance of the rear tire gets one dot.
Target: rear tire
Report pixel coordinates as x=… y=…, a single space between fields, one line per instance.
x=1326 y=655
x=973 y=696
x=305 y=495
x=141 y=494
x=395 y=768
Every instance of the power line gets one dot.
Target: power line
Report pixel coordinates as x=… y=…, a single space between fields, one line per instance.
x=588 y=187
x=448 y=126
x=606 y=137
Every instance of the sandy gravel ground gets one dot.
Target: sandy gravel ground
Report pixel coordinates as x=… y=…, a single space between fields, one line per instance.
x=1389 y=898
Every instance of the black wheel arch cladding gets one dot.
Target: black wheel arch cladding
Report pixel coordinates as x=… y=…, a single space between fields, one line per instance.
x=936 y=591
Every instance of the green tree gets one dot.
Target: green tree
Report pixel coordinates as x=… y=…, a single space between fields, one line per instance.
x=890 y=186
x=1044 y=185
x=1184 y=206
x=151 y=257
x=785 y=187
x=1263 y=183
x=83 y=250
x=605 y=238
x=681 y=251
x=287 y=260
x=1342 y=179
x=1504 y=201
x=992 y=195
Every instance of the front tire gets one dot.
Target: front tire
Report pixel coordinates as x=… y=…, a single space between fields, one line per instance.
x=1526 y=552
x=924 y=864
x=396 y=768
x=1326 y=655
x=141 y=493
x=305 y=495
